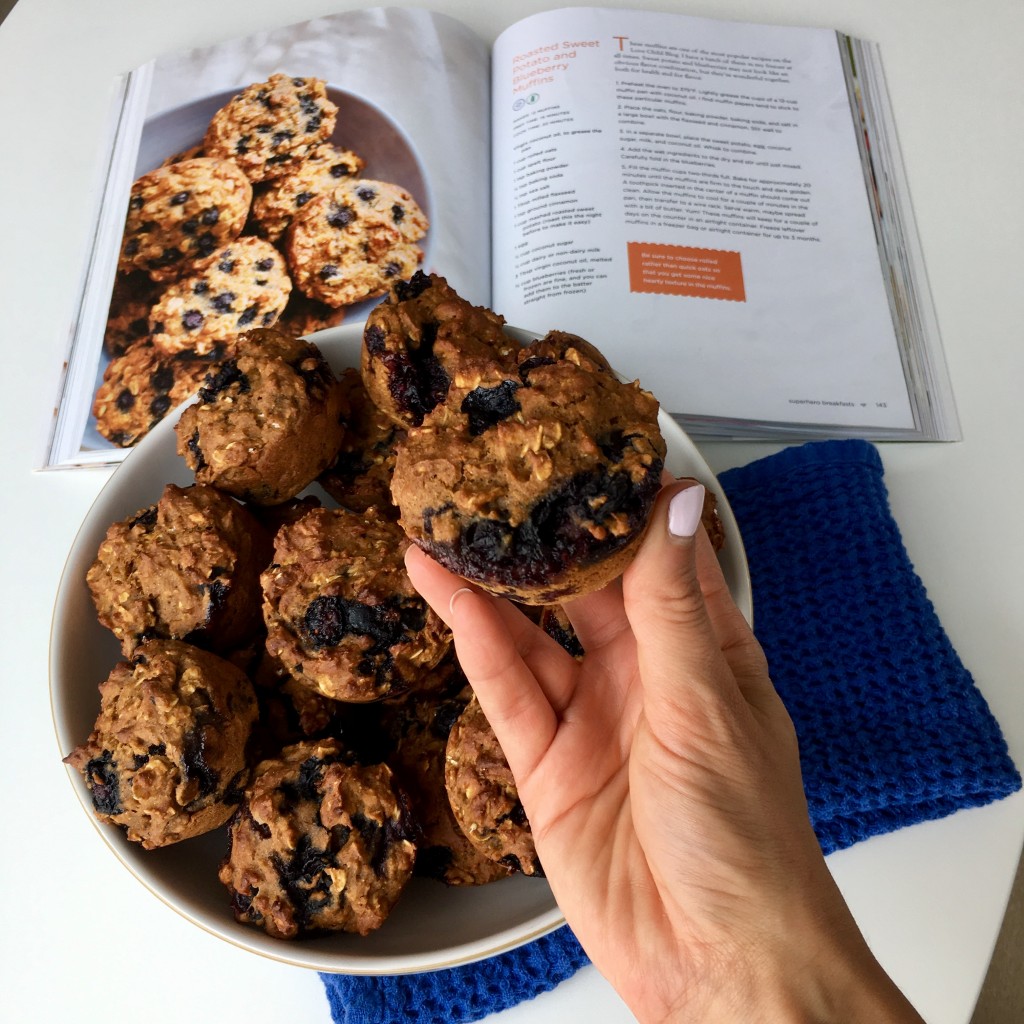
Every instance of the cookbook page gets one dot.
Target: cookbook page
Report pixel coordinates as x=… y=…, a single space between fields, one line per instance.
x=411 y=92
x=688 y=195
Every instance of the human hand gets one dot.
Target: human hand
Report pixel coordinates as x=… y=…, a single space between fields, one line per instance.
x=661 y=778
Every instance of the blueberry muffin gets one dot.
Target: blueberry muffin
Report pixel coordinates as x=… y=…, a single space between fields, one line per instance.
x=303 y=316
x=354 y=241
x=267 y=421
x=534 y=481
x=242 y=286
x=141 y=386
x=360 y=477
x=181 y=214
x=712 y=521
x=483 y=794
x=131 y=299
x=277 y=201
x=419 y=726
x=273 y=517
x=186 y=568
x=556 y=624
x=166 y=759
x=318 y=845
x=340 y=610
x=416 y=339
x=270 y=127
x=290 y=712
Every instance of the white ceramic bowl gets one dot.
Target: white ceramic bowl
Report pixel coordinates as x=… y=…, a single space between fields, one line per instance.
x=432 y=926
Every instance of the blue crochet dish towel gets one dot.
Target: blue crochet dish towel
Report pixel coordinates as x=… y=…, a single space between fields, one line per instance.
x=892 y=729
x=456 y=995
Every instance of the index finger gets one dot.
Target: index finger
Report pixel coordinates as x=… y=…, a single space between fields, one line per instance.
x=521 y=676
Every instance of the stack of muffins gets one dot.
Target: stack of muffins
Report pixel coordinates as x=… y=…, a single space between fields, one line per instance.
x=282 y=678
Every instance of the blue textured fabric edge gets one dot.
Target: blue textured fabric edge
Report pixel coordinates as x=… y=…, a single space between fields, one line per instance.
x=457 y=995
x=892 y=729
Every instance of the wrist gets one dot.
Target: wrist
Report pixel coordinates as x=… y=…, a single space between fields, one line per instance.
x=841 y=983
x=823 y=973
x=812 y=995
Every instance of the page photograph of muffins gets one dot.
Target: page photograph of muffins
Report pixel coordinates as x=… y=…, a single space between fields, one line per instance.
x=281 y=179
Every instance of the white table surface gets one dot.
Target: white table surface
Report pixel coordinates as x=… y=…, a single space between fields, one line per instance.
x=81 y=939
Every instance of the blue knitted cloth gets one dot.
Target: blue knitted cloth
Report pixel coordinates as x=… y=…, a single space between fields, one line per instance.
x=892 y=729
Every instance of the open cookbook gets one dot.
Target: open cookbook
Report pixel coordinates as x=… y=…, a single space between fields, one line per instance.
x=719 y=207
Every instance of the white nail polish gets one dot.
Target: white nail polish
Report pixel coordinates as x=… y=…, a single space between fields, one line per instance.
x=684 y=511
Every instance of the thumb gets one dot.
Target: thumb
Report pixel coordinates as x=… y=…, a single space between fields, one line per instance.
x=680 y=608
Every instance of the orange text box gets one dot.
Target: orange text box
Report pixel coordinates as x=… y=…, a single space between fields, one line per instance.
x=685 y=270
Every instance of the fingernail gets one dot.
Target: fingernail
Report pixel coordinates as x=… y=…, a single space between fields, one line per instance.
x=684 y=511
x=459 y=592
